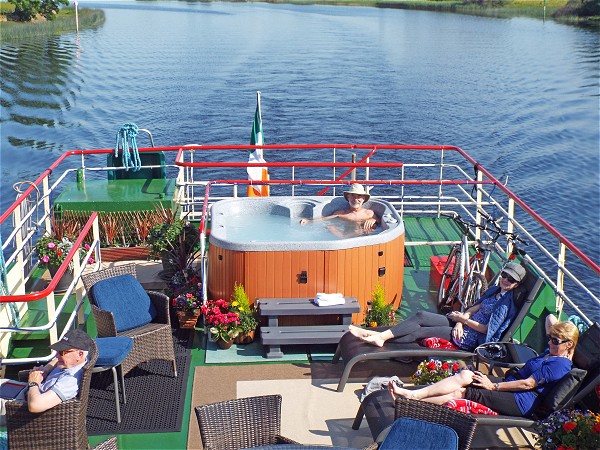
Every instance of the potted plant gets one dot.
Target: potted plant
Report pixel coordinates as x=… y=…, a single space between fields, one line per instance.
x=569 y=430
x=52 y=250
x=185 y=290
x=432 y=371
x=379 y=313
x=175 y=241
x=223 y=325
x=240 y=304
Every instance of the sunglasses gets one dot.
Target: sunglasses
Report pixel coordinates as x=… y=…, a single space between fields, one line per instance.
x=508 y=277
x=555 y=340
x=64 y=352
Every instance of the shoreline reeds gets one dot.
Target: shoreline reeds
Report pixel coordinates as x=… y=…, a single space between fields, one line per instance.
x=64 y=22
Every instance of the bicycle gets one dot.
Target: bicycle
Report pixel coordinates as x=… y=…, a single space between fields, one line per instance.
x=457 y=267
x=464 y=278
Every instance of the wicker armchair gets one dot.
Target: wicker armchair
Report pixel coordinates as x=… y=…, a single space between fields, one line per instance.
x=150 y=341
x=463 y=424
x=60 y=427
x=377 y=406
x=242 y=423
x=107 y=444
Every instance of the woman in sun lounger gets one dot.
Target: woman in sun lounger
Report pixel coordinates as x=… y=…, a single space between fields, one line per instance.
x=483 y=322
x=516 y=395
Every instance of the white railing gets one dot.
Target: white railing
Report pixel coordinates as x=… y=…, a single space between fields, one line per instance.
x=440 y=183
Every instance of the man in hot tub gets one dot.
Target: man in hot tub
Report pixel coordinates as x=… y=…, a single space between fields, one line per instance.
x=366 y=219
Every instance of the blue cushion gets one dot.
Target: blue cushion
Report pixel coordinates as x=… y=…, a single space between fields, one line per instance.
x=113 y=350
x=419 y=434
x=125 y=297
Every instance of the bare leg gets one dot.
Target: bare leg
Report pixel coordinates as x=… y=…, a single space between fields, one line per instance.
x=371 y=337
x=451 y=387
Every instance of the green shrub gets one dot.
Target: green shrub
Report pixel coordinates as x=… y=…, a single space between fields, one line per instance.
x=241 y=305
x=379 y=313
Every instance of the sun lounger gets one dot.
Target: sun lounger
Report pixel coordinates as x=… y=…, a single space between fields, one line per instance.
x=378 y=406
x=353 y=350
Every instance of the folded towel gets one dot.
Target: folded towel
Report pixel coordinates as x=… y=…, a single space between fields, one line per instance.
x=435 y=342
x=329 y=299
x=469 y=406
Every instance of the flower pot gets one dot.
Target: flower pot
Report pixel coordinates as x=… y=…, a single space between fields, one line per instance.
x=65 y=280
x=244 y=338
x=224 y=344
x=187 y=319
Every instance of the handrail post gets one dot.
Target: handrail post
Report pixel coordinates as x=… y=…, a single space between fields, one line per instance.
x=46 y=197
x=479 y=199
x=560 y=276
x=510 y=226
x=440 y=191
x=16 y=276
x=51 y=305
x=78 y=289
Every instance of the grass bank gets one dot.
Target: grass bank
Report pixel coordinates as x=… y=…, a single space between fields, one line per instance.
x=486 y=8
x=64 y=22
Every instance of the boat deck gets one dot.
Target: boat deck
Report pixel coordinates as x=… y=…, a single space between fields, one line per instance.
x=418 y=294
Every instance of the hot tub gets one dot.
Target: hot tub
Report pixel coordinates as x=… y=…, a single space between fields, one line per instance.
x=259 y=242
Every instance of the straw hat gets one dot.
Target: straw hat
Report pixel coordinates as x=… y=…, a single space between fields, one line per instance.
x=357 y=189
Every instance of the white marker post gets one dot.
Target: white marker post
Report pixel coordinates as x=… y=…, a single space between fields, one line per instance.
x=76 y=18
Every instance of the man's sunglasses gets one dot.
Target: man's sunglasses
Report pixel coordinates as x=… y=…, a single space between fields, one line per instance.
x=64 y=352
x=555 y=340
x=508 y=277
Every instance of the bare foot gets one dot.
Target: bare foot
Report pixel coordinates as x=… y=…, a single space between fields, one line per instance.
x=357 y=331
x=370 y=337
x=374 y=339
x=397 y=391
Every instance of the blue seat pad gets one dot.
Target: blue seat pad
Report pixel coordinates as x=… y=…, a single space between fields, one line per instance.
x=126 y=298
x=407 y=433
x=113 y=350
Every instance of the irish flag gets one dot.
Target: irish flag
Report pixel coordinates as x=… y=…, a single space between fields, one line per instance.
x=257 y=173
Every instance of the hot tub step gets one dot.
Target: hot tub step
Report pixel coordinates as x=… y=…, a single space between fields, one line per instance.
x=273 y=337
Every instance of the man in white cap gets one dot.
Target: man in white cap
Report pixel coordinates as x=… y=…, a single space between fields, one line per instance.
x=57 y=381
x=356 y=196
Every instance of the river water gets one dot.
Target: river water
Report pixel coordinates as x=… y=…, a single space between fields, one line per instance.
x=520 y=95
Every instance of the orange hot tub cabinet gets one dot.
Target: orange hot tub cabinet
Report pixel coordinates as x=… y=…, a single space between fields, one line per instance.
x=294 y=270
x=267 y=274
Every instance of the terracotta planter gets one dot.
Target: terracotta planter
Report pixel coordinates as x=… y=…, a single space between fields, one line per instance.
x=187 y=319
x=64 y=282
x=224 y=344
x=245 y=338
x=112 y=254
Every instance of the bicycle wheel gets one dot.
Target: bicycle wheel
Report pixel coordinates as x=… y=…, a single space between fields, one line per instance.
x=453 y=298
x=475 y=288
x=449 y=274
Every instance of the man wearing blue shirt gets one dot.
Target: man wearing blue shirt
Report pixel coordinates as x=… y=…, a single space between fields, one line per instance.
x=59 y=380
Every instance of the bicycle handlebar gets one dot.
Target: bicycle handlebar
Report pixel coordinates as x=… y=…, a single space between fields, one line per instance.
x=490 y=220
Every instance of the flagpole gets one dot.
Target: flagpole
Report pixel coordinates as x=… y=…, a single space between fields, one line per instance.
x=258 y=103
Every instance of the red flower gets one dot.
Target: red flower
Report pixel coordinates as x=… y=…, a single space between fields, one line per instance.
x=569 y=426
x=596 y=427
x=564 y=447
x=454 y=367
x=431 y=365
x=445 y=366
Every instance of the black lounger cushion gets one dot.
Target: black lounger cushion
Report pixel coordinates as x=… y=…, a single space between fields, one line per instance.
x=561 y=393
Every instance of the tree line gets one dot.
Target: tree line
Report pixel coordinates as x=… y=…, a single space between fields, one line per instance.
x=25 y=10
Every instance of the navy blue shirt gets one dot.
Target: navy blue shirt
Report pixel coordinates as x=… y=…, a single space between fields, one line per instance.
x=547 y=370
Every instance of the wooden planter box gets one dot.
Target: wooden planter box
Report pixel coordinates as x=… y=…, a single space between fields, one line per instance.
x=113 y=254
